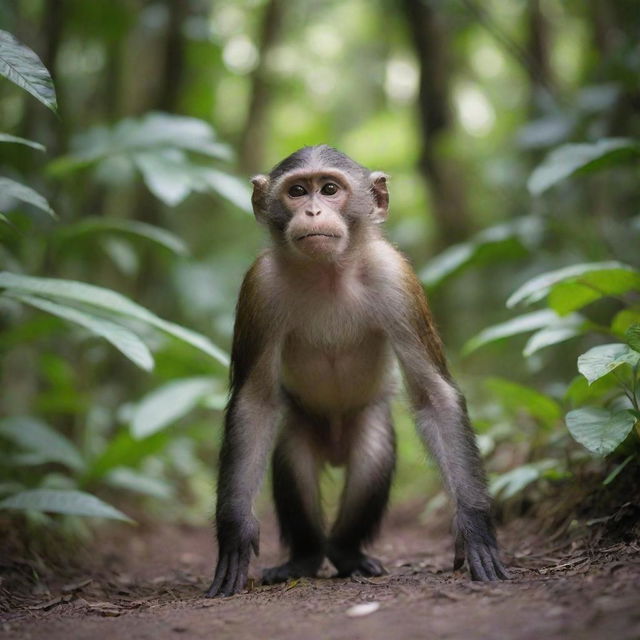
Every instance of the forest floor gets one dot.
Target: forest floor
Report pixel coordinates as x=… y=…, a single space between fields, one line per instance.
x=147 y=582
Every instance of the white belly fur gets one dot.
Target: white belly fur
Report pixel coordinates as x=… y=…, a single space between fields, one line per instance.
x=334 y=379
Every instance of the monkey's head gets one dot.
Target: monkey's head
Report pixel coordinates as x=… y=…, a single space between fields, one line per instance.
x=317 y=200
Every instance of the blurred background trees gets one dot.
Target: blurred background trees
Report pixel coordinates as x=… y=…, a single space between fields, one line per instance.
x=510 y=132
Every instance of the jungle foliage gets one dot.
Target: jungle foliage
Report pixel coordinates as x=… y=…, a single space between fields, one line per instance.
x=128 y=131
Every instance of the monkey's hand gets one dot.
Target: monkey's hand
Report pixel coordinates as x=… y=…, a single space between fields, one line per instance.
x=475 y=542
x=236 y=540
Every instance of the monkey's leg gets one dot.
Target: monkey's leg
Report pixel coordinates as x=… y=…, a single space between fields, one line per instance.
x=369 y=474
x=295 y=491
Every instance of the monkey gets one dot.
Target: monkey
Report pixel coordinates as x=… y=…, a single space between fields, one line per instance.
x=322 y=316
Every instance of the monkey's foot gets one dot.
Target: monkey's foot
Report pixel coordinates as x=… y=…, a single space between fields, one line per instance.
x=356 y=563
x=298 y=568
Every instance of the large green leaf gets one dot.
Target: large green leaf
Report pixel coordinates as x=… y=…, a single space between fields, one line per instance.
x=150 y=232
x=171 y=177
x=520 y=324
x=573 y=158
x=593 y=274
x=71 y=502
x=22 y=66
x=109 y=301
x=559 y=330
x=508 y=484
x=6 y=137
x=152 y=132
x=599 y=430
x=15 y=190
x=42 y=443
x=124 y=340
x=599 y=361
x=169 y=403
x=501 y=242
x=132 y=480
x=569 y=296
x=125 y=450
x=516 y=397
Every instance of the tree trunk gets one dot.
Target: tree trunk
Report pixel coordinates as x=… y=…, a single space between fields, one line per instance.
x=252 y=145
x=443 y=177
x=539 y=66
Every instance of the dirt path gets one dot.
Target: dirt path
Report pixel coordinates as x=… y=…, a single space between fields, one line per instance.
x=148 y=585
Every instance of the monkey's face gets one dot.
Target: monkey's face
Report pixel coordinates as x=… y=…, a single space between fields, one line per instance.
x=316 y=201
x=317 y=204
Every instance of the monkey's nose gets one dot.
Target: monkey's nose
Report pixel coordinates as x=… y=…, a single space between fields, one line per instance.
x=312 y=213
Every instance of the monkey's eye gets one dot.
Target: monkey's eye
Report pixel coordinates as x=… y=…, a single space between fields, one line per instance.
x=296 y=191
x=329 y=189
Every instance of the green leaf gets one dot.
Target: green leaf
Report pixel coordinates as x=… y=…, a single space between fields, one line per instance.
x=111 y=302
x=150 y=232
x=43 y=443
x=565 y=297
x=600 y=360
x=171 y=177
x=520 y=324
x=169 y=403
x=125 y=341
x=580 y=392
x=6 y=137
x=593 y=274
x=124 y=450
x=517 y=398
x=508 y=484
x=632 y=336
x=501 y=242
x=11 y=189
x=77 y=503
x=155 y=132
x=623 y=320
x=22 y=66
x=558 y=331
x=229 y=187
x=573 y=158
x=599 y=430
x=131 y=480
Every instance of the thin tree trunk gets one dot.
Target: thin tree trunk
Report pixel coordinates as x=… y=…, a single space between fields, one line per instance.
x=539 y=68
x=252 y=145
x=445 y=183
x=173 y=56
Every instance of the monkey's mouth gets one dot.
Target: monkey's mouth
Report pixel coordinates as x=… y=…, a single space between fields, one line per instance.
x=316 y=234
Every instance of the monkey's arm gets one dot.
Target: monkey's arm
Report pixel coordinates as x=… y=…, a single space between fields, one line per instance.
x=443 y=425
x=250 y=423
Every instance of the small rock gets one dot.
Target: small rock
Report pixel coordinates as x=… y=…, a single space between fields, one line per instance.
x=364 y=609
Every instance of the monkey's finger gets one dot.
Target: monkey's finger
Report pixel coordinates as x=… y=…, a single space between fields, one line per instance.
x=221 y=571
x=243 y=570
x=475 y=565
x=487 y=563
x=228 y=586
x=503 y=574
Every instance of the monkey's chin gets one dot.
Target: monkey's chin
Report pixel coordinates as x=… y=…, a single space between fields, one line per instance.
x=320 y=246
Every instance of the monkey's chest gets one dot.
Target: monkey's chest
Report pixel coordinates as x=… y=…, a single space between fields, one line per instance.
x=332 y=378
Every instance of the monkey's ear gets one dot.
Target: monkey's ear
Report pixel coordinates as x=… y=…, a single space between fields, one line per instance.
x=380 y=196
x=259 y=197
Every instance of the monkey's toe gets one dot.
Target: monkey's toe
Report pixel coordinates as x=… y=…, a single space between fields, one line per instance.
x=299 y=568
x=358 y=564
